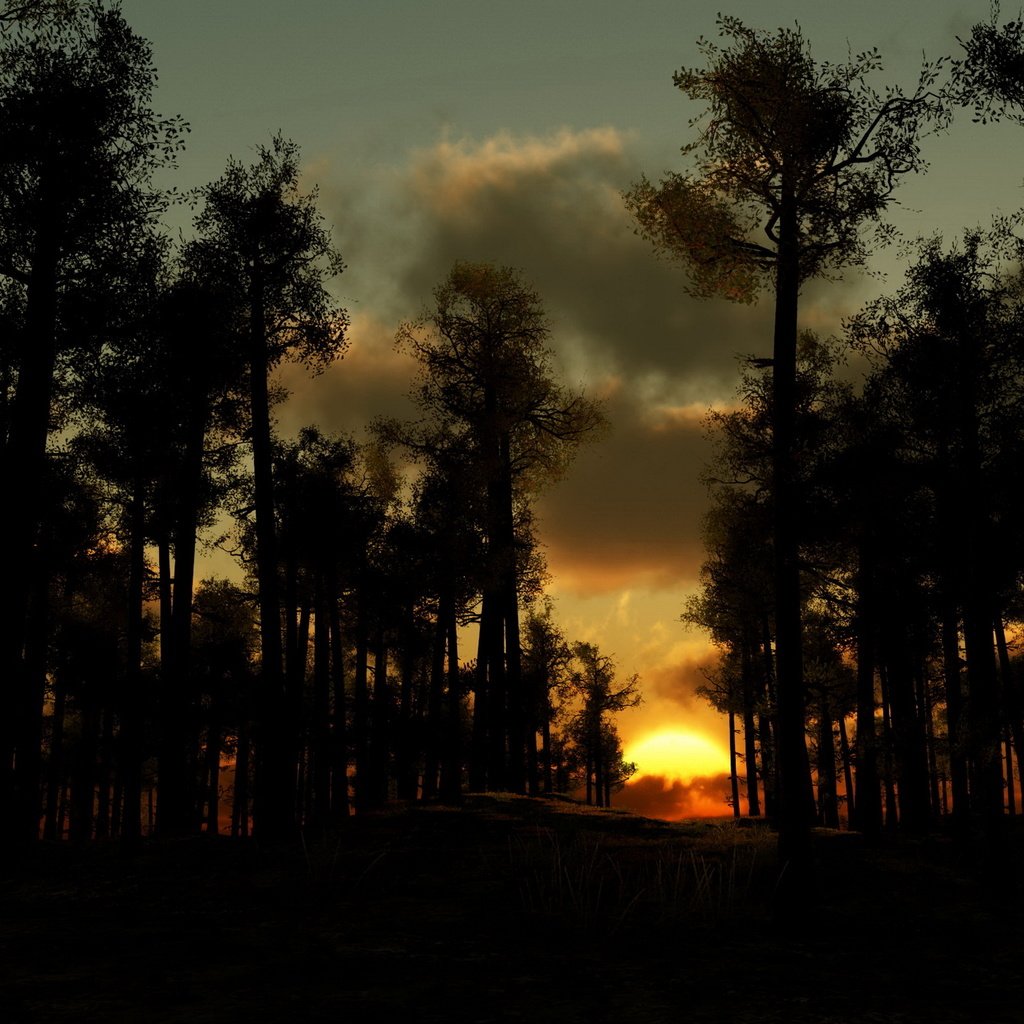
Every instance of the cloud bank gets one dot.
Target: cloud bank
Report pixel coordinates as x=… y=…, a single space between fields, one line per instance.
x=655 y=796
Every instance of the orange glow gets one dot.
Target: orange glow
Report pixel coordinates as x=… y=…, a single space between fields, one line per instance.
x=677 y=754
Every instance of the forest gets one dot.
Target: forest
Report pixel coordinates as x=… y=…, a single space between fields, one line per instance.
x=388 y=640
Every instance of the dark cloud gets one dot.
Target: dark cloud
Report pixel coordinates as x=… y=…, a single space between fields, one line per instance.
x=629 y=509
x=655 y=796
x=630 y=506
x=552 y=207
x=370 y=380
x=678 y=682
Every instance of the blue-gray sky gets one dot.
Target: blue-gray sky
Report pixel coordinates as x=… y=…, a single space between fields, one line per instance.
x=490 y=130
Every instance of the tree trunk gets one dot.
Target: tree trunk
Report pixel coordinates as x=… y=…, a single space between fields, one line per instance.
x=274 y=816
x=435 y=700
x=1011 y=700
x=868 y=804
x=361 y=717
x=320 y=730
x=451 y=762
x=339 y=738
x=734 y=780
x=844 y=753
x=749 y=732
x=955 y=717
x=55 y=767
x=24 y=469
x=132 y=722
x=796 y=809
x=828 y=806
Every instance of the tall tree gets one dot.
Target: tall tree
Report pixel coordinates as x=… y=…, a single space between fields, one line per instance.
x=80 y=141
x=593 y=677
x=265 y=242
x=486 y=372
x=808 y=153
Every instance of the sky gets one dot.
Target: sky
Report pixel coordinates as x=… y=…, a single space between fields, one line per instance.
x=501 y=131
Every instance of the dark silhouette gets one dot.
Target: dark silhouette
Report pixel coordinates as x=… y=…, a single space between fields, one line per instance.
x=808 y=153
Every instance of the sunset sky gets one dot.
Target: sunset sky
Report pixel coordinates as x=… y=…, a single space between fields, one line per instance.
x=439 y=130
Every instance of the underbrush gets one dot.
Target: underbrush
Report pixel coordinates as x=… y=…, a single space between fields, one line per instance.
x=592 y=883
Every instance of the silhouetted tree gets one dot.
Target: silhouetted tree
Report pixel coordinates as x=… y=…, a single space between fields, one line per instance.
x=593 y=678
x=264 y=242
x=808 y=153
x=486 y=373
x=950 y=347
x=79 y=141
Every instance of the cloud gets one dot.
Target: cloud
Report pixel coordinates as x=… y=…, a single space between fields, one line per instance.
x=629 y=509
x=679 y=680
x=656 y=796
x=371 y=379
x=552 y=207
x=628 y=512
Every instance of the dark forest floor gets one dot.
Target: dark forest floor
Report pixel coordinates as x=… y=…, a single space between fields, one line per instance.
x=506 y=910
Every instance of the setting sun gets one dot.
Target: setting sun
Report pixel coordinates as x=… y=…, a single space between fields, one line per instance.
x=676 y=754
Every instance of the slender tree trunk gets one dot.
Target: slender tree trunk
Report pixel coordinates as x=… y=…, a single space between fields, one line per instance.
x=844 y=751
x=406 y=773
x=1011 y=699
x=213 y=743
x=889 y=777
x=339 y=739
x=868 y=804
x=55 y=767
x=734 y=780
x=933 y=764
x=435 y=700
x=320 y=732
x=827 y=801
x=83 y=777
x=240 y=801
x=275 y=789
x=749 y=732
x=907 y=738
x=766 y=726
x=955 y=717
x=796 y=810
x=361 y=718
x=175 y=811
x=24 y=468
x=104 y=773
x=451 y=763
x=133 y=718
x=380 y=719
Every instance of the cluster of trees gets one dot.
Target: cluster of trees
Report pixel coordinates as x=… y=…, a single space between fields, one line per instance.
x=864 y=555
x=136 y=398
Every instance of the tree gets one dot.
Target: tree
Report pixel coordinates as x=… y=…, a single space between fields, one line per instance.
x=949 y=355
x=486 y=374
x=36 y=12
x=990 y=76
x=809 y=153
x=599 y=751
x=264 y=241
x=546 y=660
x=80 y=141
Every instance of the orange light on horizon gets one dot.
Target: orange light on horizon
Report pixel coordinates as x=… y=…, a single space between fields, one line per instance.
x=677 y=753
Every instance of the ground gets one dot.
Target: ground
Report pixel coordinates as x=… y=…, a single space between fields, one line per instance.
x=504 y=910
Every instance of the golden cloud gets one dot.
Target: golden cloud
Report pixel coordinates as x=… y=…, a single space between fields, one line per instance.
x=656 y=796
x=451 y=174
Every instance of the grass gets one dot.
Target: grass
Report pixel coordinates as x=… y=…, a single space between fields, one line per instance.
x=503 y=910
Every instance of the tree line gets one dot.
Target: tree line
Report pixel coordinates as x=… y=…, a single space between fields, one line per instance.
x=861 y=571
x=863 y=566
x=136 y=410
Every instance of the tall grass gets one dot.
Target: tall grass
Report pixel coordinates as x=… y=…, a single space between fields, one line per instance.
x=589 y=883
